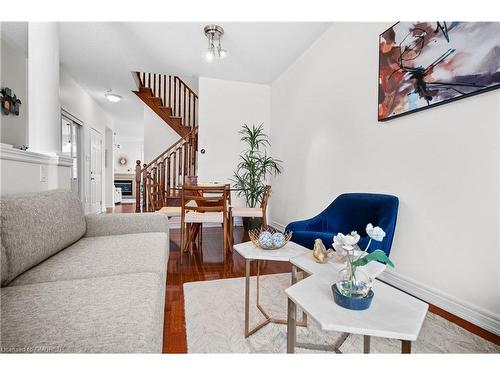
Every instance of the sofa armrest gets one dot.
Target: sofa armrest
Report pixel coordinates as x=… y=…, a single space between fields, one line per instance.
x=116 y=224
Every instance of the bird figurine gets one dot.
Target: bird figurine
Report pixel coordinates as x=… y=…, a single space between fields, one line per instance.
x=319 y=251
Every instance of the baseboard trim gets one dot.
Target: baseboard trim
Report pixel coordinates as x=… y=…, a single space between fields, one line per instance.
x=278 y=226
x=473 y=314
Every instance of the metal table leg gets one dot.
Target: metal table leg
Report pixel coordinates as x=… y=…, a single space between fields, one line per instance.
x=303 y=323
x=247 y=295
x=291 y=333
x=366 y=344
x=267 y=318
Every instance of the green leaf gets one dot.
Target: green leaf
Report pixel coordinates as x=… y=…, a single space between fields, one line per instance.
x=376 y=255
x=254 y=165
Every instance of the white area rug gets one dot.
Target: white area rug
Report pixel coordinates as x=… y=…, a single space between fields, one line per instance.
x=215 y=324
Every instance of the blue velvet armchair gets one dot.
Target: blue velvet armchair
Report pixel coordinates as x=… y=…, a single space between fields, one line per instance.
x=348 y=212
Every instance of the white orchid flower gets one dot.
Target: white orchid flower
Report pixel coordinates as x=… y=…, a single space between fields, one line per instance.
x=345 y=242
x=375 y=233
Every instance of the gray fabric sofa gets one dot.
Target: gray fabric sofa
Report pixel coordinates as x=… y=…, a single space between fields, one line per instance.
x=80 y=283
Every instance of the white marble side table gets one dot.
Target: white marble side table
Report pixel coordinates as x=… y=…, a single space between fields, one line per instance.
x=392 y=314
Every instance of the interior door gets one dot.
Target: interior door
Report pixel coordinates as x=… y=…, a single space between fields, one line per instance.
x=95 y=171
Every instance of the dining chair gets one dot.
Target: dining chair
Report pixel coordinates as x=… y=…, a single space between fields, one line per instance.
x=210 y=206
x=260 y=211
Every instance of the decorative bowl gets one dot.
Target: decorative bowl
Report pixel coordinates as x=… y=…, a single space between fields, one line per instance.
x=352 y=303
x=269 y=239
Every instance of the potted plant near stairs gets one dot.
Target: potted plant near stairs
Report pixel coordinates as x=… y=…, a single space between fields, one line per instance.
x=253 y=169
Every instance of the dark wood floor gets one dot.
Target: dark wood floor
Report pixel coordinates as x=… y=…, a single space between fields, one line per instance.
x=208 y=265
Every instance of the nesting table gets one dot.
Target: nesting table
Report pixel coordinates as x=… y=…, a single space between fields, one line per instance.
x=392 y=314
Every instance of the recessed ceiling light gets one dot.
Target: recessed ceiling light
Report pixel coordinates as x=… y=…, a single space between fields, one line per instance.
x=113 y=98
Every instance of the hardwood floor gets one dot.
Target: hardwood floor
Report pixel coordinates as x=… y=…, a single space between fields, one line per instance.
x=207 y=265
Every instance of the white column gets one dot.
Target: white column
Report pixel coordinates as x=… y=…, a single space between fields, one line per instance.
x=43 y=87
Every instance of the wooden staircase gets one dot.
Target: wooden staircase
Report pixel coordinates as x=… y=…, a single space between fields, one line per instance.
x=171 y=99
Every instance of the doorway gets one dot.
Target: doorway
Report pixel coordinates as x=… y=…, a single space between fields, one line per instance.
x=95 y=171
x=71 y=146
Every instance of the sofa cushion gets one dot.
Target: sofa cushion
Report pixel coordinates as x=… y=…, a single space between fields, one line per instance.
x=116 y=314
x=102 y=256
x=36 y=226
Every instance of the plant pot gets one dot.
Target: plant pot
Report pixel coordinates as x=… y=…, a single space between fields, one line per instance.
x=352 y=303
x=252 y=223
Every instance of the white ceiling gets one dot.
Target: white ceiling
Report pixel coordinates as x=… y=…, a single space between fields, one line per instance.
x=101 y=55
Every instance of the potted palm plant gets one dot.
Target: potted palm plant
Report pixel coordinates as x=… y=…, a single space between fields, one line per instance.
x=254 y=167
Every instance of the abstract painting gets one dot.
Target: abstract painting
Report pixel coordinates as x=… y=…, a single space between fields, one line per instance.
x=424 y=64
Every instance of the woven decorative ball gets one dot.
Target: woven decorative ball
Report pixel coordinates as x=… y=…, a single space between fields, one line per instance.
x=278 y=239
x=266 y=239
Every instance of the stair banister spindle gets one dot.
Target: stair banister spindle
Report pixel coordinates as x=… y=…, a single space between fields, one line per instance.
x=174 y=109
x=184 y=108
x=174 y=178
x=169 y=89
x=179 y=165
x=154 y=84
x=179 y=99
x=167 y=177
x=163 y=176
x=165 y=91
x=185 y=171
x=194 y=112
x=188 y=122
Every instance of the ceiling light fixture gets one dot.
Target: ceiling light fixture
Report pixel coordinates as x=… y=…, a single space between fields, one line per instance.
x=113 y=98
x=214 y=34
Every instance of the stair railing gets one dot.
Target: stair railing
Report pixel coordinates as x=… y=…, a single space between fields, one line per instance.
x=174 y=94
x=169 y=169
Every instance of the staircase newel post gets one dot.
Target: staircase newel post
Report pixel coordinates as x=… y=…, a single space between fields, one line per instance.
x=138 y=186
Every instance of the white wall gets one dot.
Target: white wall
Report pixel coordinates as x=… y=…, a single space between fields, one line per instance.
x=224 y=107
x=76 y=101
x=43 y=87
x=132 y=150
x=442 y=163
x=14 y=75
x=20 y=171
x=158 y=135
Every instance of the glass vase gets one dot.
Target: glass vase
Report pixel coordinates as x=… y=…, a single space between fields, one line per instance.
x=353 y=281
